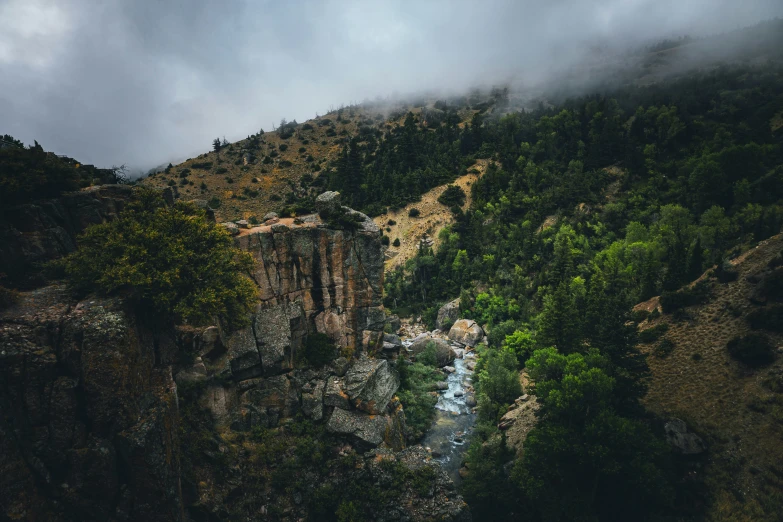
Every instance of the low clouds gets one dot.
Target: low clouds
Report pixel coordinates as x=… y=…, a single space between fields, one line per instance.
x=143 y=82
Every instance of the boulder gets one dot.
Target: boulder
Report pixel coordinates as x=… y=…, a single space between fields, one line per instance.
x=328 y=203
x=369 y=429
x=243 y=354
x=449 y=369
x=371 y=383
x=685 y=441
x=233 y=228
x=444 y=354
x=313 y=400
x=392 y=339
x=470 y=401
x=339 y=366
x=448 y=314
x=270 y=215
x=394 y=323
x=334 y=394
x=242 y=223
x=467 y=332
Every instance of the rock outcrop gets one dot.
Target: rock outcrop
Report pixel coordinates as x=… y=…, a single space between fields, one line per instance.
x=315 y=278
x=682 y=439
x=467 y=332
x=447 y=315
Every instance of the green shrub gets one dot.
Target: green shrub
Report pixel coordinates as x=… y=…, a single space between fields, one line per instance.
x=653 y=334
x=414 y=212
x=753 y=350
x=416 y=382
x=170 y=260
x=7 y=297
x=221 y=170
x=203 y=165
x=214 y=202
x=385 y=240
x=229 y=180
x=318 y=350
x=184 y=173
x=203 y=186
x=452 y=196
x=302 y=150
x=391 y=222
x=285 y=164
x=428 y=356
x=171 y=183
x=283 y=147
x=673 y=301
x=768 y=318
x=725 y=272
x=275 y=197
x=396 y=242
x=664 y=348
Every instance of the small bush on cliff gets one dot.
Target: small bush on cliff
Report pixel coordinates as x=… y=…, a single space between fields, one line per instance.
x=170 y=259
x=318 y=350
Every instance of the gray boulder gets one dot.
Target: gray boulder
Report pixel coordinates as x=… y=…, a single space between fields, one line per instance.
x=448 y=314
x=371 y=383
x=467 y=332
x=444 y=353
x=313 y=400
x=328 y=203
x=334 y=394
x=392 y=339
x=233 y=228
x=369 y=429
x=685 y=441
x=269 y=215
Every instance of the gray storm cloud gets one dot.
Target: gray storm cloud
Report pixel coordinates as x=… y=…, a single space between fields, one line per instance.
x=143 y=82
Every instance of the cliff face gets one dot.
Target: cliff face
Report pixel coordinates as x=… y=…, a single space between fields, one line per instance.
x=89 y=413
x=311 y=279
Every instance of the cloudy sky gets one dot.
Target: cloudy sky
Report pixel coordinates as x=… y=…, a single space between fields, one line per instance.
x=143 y=82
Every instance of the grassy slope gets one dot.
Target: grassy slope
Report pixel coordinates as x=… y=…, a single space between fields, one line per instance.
x=724 y=401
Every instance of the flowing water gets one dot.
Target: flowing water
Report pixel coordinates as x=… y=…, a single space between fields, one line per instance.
x=448 y=435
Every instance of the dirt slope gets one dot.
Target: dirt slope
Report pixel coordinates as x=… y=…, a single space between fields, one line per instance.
x=736 y=409
x=433 y=218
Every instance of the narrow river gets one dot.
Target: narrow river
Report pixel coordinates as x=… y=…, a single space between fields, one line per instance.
x=448 y=435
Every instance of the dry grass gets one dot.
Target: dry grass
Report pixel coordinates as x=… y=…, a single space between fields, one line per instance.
x=270 y=179
x=722 y=400
x=433 y=218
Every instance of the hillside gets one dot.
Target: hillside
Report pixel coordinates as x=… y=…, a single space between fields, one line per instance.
x=736 y=408
x=289 y=166
x=433 y=217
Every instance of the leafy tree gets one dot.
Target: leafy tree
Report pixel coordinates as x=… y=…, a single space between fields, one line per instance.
x=170 y=259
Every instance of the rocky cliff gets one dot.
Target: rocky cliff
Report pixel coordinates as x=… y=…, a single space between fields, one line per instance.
x=89 y=413
x=106 y=419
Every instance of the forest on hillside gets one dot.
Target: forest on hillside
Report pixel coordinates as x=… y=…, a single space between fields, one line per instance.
x=586 y=209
